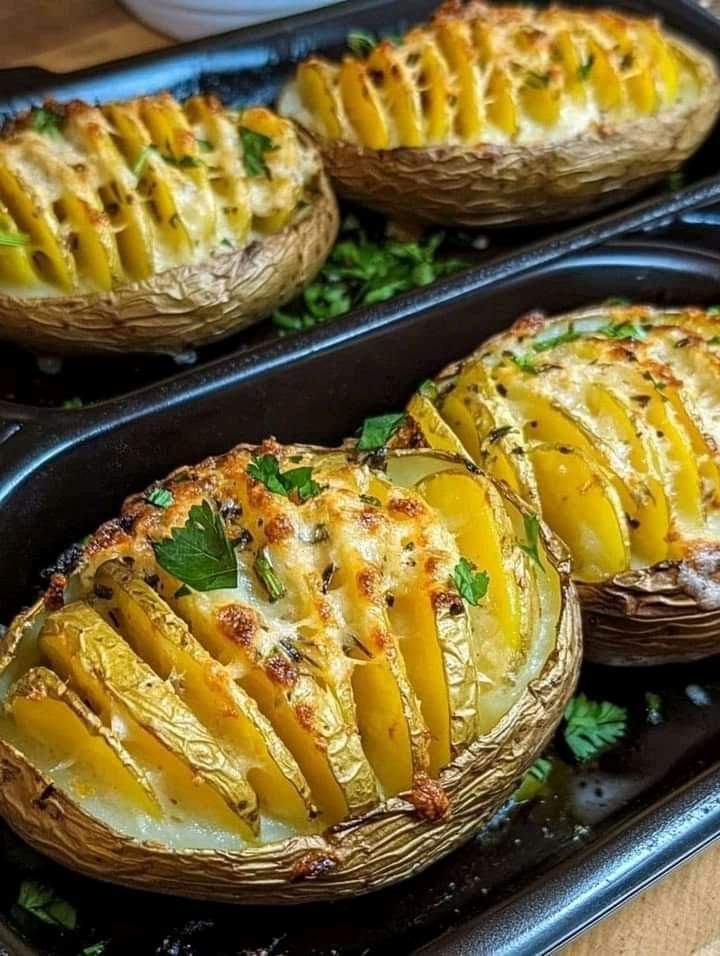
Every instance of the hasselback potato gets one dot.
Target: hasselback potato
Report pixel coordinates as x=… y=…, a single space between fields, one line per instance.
x=606 y=421
x=152 y=225
x=507 y=114
x=287 y=674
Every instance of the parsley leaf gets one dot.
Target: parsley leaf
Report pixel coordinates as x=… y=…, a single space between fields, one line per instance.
x=72 y=403
x=97 y=949
x=267 y=576
x=525 y=364
x=471 y=583
x=715 y=340
x=622 y=330
x=45 y=905
x=531 y=524
x=592 y=726
x=160 y=497
x=204 y=145
x=361 y=42
x=584 y=69
x=13 y=239
x=254 y=146
x=653 y=708
x=266 y=469
x=534 y=780
x=45 y=121
x=563 y=338
x=199 y=554
x=376 y=432
x=676 y=181
x=138 y=167
x=429 y=390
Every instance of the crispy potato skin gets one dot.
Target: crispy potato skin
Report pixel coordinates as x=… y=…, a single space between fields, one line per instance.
x=363 y=853
x=185 y=306
x=495 y=185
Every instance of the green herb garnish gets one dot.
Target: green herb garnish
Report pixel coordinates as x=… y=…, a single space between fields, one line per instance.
x=659 y=386
x=160 y=497
x=584 y=69
x=653 y=708
x=14 y=239
x=296 y=481
x=531 y=524
x=428 y=389
x=97 y=949
x=534 y=780
x=204 y=145
x=184 y=162
x=715 y=340
x=371 y=500
x=361 y=42
x=138 y=167
x=45 y=121
x=622 y=330
x=676 y=181
x=46 y=905
x=471 y=583
x=254 y=146
x=363 y=271
x=525 y=364
x=266 y=574
x=199 y=553
x=376 y=432
x=72 y=403
x=563 y=338
x=592 y=726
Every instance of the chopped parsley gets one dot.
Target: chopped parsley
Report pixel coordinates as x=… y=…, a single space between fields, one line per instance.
x=715 y=340
x=297 y=482
x=254 y=146
x=184 y=162
x=584 y=69
x=659 y=386
x=371 y=500
x=428 y=389
x=471 y=583
x=199 y=553
x=13 y=239
x=537 y=81
x=534 y=780
x=525 y=364
x=138 y=167
x=97 y=949
x=563 y=338
x=364 y=271
x=622 y=330
x=653 y=708
x=204 y=145
x=531 y=524
x=266 y=574
x=160 y=497
x=361 y=42
x=377 y=431
x=72 y=403
x=45 y=121
x=676 y=181
x=592 y=726
x=43 y=903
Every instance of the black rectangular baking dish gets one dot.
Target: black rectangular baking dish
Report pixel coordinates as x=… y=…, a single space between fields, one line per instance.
x=539 y=874
x=250 y=66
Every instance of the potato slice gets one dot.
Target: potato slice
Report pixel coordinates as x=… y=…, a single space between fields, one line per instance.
x=163 y=640
x=125 y=692
x=316 y=80
x=48 y=712
x=363 y=105
x=402 y=103
x=455 y=41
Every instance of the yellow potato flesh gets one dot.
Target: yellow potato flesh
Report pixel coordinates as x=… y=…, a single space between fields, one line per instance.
x=164 y=642
x=86 y=651
x=400 y=96
x=316 y=93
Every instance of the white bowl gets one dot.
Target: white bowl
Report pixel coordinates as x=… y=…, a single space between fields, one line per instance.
x=192 y=19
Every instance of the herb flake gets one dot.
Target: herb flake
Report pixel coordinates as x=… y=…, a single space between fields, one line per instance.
x=267 y=576
x=14 y=239
x=254 y=147
x=45 y=121
x=531 y=525
x=584 y=69
x=199 y=553
x=592 y=726
x=43 y=903
x=564 y=338
x=377 y=431
x=297 y=482
x=471 y=583
x=361 y=42
x=160 y=497
x=525 y=364
x=622 y=330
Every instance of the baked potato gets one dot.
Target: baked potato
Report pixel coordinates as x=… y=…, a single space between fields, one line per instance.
x=287 y=674
x=152 y=226
x=493 y=115
x=605 y=420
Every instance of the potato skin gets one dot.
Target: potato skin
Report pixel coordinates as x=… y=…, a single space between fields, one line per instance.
x=390 y=843
x=185 y=306
x=491 y=185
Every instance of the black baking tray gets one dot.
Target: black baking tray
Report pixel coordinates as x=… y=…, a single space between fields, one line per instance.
x=540 y=873
x=249 y=66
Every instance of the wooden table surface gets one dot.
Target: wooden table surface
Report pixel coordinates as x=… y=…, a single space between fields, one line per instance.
x=680 y=916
